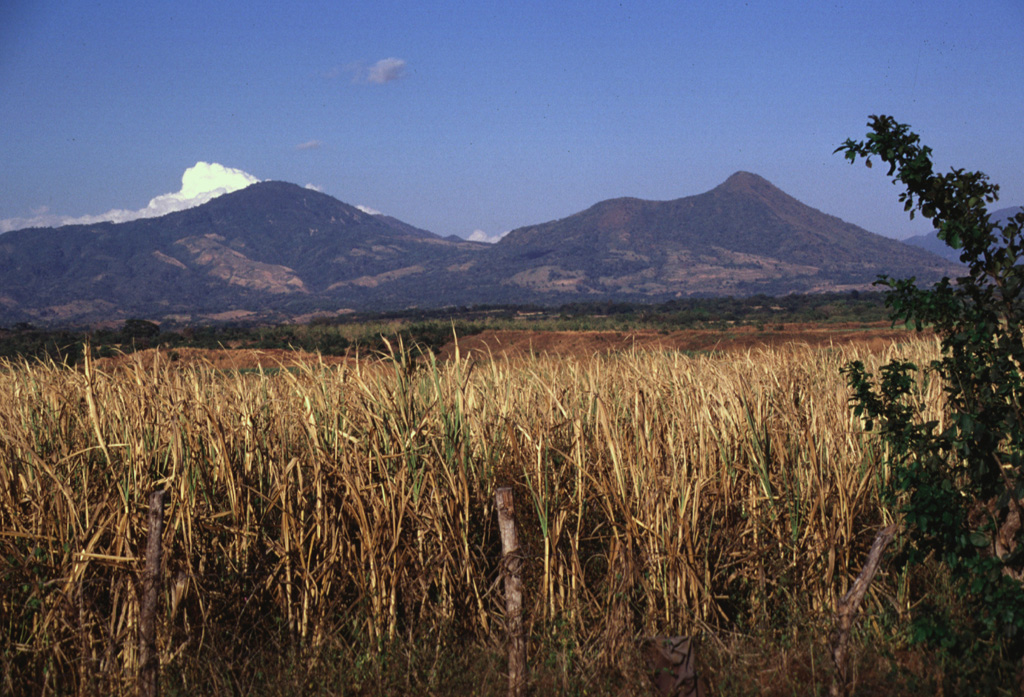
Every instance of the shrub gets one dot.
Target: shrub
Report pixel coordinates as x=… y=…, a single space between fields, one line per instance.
x=957 y=482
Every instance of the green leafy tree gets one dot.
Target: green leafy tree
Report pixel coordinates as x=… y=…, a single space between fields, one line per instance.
x=959 y=488
x=139 y=329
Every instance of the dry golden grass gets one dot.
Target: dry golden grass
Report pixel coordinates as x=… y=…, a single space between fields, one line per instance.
x=326 y=507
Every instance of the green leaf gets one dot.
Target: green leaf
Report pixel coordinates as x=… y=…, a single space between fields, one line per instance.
x=979 y=539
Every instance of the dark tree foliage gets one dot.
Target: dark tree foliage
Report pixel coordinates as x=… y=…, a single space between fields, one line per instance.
x=139 y=329
x=959 y=488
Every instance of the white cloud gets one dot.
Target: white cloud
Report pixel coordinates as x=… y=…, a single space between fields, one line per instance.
x=314 y=187
x=368 y=210
x=481 y=236
x=386 y=70
x=310 y=145
x=383 y=71
x=199 y=184
x=8 y=224
x=208 y=181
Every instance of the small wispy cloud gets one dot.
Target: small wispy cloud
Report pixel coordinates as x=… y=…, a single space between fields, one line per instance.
x=382 y=72
x=314 y=187
x=310 y=145
x=481 y=236
x=369 y=211
x=386 y=70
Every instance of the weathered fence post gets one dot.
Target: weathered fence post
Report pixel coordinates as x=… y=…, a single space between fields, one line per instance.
x=149 y=661
x=848 y=607
x=512 y=563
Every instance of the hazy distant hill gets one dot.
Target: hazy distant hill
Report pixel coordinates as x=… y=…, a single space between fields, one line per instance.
x=933 y=244
x=275 y=250
x=742 y=237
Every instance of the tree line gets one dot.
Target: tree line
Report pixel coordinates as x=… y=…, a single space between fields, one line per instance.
x=429 y=329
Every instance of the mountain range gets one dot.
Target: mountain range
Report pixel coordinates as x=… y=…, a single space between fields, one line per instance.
x=274 y=251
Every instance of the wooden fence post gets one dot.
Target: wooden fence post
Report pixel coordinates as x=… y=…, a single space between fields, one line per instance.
x=149 y=661
x=848 y=607
x=512 y=563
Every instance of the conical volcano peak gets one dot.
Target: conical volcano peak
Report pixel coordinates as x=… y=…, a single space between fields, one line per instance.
x=746 y=182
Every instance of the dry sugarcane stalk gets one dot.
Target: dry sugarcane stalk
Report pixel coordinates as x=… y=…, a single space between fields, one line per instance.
x=149 y=661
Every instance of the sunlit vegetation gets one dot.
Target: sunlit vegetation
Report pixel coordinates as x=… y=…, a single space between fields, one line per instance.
x=334 y=529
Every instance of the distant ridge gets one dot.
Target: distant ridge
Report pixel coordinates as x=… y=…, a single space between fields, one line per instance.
x=933 y=244
x=275 y=250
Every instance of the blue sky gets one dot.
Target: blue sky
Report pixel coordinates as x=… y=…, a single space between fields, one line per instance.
x=464 y=116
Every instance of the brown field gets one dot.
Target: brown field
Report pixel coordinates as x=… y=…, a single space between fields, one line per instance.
x=339 y=522
x=873 y=337
x=220 y=359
